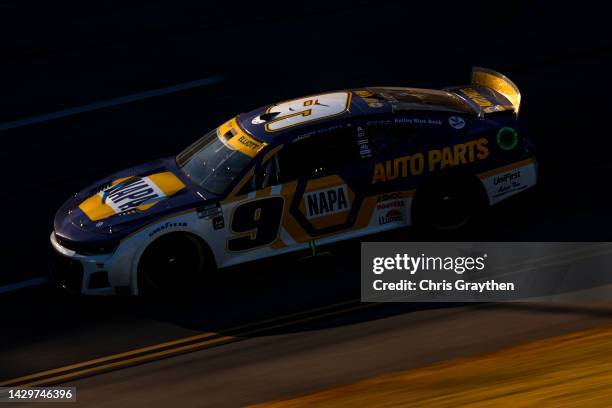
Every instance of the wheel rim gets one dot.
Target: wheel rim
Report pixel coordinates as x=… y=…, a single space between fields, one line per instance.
x=448 y=209
x=171 y=263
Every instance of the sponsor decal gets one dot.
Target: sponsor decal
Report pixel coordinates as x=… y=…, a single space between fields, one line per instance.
x=390 y=204
x=326 y=202
x=320 y=132
x=418 y=121
x=218 y=222
x=475 y=96
x=433 y=160
x=362 y=142
x=381 y=122
x=166 y=226
x=248 y=143
x=391 y=216
x=504 y=178
x=508 y=182
x=456 y=122
x=390 y=196
x=209 y=211
x=131 y=194
x=392 y=200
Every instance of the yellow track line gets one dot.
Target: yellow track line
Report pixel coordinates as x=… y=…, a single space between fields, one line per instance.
x=106 y=358
x=205 y=338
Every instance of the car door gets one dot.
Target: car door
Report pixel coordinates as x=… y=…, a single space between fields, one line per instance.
x=310 y=188
x=327 y=175
x=399 y=165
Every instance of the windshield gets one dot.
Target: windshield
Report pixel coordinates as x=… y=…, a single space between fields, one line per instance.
x=212 y=163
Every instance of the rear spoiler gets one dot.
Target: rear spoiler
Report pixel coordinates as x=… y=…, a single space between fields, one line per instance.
x=499 y=83
x=489 y=92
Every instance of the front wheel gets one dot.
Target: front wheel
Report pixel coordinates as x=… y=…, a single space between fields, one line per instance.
x=171 y=263
x=448 y=204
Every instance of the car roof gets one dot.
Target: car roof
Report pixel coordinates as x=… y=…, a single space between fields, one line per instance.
x=271 y=122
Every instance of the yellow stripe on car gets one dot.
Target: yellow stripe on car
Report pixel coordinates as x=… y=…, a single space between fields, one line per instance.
x=95 y=209
x=167 y=182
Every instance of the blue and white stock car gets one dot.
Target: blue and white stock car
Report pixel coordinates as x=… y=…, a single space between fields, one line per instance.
x=299 y=173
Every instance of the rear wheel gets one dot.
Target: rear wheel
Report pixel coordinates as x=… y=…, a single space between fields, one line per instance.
x=448 y=204
x=171 y=264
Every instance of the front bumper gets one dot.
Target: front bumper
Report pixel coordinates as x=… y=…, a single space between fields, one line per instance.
x=78 y=273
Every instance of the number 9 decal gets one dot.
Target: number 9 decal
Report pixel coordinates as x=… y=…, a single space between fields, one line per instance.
x=302 y=110
x=257 y=223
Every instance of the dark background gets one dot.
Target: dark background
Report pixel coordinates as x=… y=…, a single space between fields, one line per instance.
x=55 y=56
x=60 y=55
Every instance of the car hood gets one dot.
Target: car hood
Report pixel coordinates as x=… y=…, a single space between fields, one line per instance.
x=128 y=200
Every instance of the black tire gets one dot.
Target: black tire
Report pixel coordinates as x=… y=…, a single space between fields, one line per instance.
x=172 y=264
x=448 y=204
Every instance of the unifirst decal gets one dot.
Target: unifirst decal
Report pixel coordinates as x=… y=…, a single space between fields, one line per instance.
x=435 y=159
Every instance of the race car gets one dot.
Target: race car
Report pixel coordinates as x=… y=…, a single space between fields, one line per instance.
x=296 y=175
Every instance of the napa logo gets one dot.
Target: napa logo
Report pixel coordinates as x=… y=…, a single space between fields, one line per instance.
x=131 y=194
x=327 y=201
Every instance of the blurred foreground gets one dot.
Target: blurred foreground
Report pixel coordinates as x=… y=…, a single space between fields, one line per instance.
x=573 y=370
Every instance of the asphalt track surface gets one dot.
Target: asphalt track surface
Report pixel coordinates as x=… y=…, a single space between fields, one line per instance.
x=63 y=58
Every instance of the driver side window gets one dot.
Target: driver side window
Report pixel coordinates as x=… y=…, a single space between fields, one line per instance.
x=311 y=157
x=319 y=155
x=266 y=176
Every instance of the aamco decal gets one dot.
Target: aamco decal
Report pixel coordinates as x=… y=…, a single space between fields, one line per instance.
x=435 y=159
x=393 y=208
x=139 y=193
x=391 y=200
